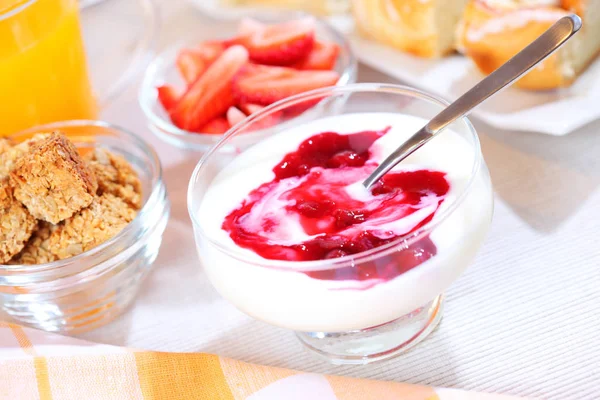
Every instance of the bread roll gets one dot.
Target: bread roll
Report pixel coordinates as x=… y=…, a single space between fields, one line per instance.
x=492 y=31
x=421 y=27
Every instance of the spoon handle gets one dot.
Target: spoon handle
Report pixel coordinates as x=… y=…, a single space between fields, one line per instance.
x=506 y=74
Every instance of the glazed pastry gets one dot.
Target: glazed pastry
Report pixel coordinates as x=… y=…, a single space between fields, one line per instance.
x=421 y=27
x=492 y=31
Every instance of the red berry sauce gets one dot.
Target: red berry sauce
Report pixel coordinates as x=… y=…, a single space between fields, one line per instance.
x=309 y=197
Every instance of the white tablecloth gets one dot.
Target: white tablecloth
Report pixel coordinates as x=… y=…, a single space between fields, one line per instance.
x=523 y=320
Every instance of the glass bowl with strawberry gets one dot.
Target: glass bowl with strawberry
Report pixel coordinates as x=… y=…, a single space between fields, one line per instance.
x=194 y=92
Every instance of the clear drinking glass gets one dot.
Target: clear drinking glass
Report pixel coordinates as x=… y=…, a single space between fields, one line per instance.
x=86 y=291
x=43 y=69
x=352 y=325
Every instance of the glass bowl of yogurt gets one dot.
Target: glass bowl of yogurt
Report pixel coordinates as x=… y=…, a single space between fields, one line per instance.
x=286 y=232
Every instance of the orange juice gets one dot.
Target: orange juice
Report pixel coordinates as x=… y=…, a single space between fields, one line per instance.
x=43 y=71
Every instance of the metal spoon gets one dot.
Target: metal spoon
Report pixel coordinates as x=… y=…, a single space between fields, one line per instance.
x=506 y=74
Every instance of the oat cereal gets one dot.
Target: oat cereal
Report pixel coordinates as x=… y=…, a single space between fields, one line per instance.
x=52 y=180
x=16 y=224
x=116 y=176
x=103 y=219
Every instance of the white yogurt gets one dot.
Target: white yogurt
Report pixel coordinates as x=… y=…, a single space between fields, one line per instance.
x=293 y=300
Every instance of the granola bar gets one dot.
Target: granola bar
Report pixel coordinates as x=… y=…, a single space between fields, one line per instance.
x=37 y=249
x=103 y=219
x=10 y=153
x=52 y=181
x=116 y=176
x=16 y=224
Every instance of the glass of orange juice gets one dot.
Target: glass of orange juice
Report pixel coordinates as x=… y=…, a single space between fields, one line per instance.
x=43 y=70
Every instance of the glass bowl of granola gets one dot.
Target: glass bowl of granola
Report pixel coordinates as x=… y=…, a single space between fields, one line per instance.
x=83 y=208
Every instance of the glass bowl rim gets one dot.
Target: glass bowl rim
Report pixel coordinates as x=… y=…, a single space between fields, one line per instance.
x=353 y=259
x=78 y=262
x=146 y=101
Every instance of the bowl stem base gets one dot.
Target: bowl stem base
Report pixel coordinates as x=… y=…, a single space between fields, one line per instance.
x=377 y=343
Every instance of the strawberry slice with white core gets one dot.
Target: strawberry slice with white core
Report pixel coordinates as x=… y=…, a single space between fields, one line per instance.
x=210 y=95
x=265 y=122
x=168 y=96
x=195 y=61
x=264 y=85
x=210 y=49
x=246 y=28
x=190 y=64
x=250 y=108
x=234 y=115
x=282 y=44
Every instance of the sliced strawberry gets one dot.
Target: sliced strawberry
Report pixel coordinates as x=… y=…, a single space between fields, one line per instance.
x=264 y=85
x=265 y=122
x=234 y=115
x=210 y=95
x=323 y=56
x=241 y=40
x=193 y=62
x=168 y=96
x=210 y=50
x=282 y=44
x=246 y=28
x=190 y=64
x=250 y=108
x=217 y=125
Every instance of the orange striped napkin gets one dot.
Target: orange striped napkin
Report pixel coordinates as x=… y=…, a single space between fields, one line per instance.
x=40 y=365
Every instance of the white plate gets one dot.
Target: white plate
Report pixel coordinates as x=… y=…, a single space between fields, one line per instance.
x=556 y=112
